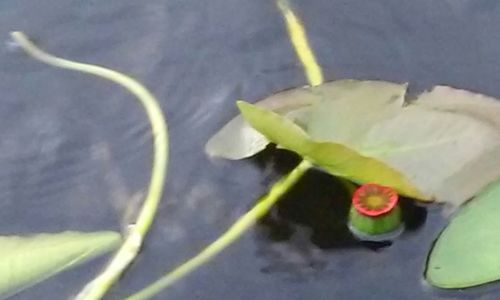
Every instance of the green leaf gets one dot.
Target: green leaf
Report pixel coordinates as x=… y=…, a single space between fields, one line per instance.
x=467 y=253
x=237 y=140
x=25 y=261
x=478 y=172
x=351 y=107
x=431 y=147
x=447 y=143
x=333 y=157
x=445 y=98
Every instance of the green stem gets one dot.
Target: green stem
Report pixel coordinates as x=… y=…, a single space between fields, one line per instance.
x=128 y=251
x=242 y=225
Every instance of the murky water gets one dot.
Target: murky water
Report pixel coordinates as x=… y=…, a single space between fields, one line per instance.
x=75 y=150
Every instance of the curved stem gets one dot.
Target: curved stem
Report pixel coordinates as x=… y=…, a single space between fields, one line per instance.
x=314 y=74
x=130 y=247
x=232 y=234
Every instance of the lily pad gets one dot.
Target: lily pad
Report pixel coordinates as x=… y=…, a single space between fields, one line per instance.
x=335 y=158
x=467 y=253
x=431 y=147
x=446 y=144
x=238 y=140
x=25 y=261
x=449 y=152
x=434 y=150
x=478 y=106
x=351 y=107
x=477 y=173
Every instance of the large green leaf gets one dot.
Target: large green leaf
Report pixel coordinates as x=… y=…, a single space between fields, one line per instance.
x=447 y=142
x=467 y=253
x=335 y=158
x=25 y=261
x=351 y=107
x=478 y=172
x=431 y=147
x=237 y=140
x=445 y=98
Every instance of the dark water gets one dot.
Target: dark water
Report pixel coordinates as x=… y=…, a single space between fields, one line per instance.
x=75 y=150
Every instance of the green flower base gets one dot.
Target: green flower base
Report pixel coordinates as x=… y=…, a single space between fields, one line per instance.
x=376 y=228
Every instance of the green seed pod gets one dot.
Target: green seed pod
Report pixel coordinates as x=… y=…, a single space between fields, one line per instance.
x=375 y=214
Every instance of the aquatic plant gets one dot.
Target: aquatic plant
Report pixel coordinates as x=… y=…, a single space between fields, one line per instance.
x=444 y=147
x=135 y=236
x=27 y=260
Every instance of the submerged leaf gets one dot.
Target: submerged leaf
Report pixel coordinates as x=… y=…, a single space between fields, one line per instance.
x=467 y=253
x=25 y=261
x=333 y=157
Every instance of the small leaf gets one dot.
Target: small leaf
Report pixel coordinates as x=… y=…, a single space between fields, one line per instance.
x=467 y=253
x=333 y=157
x=25 y=261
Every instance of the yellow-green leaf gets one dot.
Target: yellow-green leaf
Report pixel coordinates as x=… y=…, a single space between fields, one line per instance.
x=27 y=260
x=237 y=140
x=335 y=158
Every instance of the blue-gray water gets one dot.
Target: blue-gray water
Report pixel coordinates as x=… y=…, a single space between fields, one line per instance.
x=75 y=150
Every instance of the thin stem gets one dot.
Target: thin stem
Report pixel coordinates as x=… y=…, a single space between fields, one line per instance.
x=130 y=247
x=232 y=234
x=314 y=74
x=300 y=43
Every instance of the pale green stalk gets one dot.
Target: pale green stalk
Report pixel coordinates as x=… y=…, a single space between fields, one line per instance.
x=232 y=234
x=314 y=74
x=130 y=247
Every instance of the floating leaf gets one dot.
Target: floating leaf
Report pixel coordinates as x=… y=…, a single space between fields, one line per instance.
x=446 y=143
x=333 y=157
x=467 y=252
x=430 y=147
x=477 y=173
x=25 y=261
x=237 y=140
x=351 y=107
x=480 y=107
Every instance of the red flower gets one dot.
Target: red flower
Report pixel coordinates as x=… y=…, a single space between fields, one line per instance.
x=374 y=200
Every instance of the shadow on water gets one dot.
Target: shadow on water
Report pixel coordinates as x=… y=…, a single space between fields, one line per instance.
x=312 y=218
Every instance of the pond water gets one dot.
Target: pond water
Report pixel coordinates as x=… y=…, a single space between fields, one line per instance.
x=75 y=150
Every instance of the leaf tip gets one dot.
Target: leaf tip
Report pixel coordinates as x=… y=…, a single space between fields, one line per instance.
x=242 y=104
